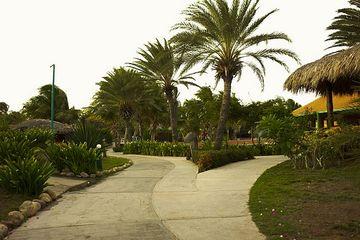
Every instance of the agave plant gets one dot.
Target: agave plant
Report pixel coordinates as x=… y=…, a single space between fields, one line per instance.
x=27 y=176
x=79 y=158
x=85 y=132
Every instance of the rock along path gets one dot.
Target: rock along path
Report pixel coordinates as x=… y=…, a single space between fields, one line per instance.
x=158 y=198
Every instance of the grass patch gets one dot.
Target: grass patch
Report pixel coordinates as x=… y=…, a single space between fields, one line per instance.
x=10 y=202
x=301 y=204
x=111 y=162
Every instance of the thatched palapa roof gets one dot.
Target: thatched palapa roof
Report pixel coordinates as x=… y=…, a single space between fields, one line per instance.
x=45 y=124
x=341 y=71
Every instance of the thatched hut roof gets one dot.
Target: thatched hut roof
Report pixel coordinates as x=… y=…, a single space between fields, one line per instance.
x=45 y=124
x=341 y=71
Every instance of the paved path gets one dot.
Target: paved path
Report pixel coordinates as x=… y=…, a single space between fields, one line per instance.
x=156 y=198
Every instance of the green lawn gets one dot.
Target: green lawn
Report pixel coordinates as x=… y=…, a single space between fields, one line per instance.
x=110 y=162
x=299 y=204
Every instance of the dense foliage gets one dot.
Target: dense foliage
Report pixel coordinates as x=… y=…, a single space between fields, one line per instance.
x=75 y=157
x=156 y=149
x=79 y=158
x=324 y=149
x=207 y=160
x=283 y=132
x=91 y=134
x=39 y=106
x=17 y=145
x=25 y=176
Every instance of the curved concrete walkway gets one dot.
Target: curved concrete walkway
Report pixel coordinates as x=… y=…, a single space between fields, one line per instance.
x=157 y=198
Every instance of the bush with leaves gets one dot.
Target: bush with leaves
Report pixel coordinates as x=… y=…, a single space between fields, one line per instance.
x=283 y=132
x=54 y=153
x=80 y=158
x=207 y=160
x=89 y=133
x=17 y=145
x=324 y=149
x=26 y=176
x=156 y=148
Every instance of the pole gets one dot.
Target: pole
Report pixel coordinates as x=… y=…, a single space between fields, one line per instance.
x=53 y=99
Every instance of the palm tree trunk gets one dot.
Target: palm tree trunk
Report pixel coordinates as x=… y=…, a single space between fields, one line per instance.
x=224 y=111
x=172 y=110
x=330 y=107
x=153 y=131
x=127 y=131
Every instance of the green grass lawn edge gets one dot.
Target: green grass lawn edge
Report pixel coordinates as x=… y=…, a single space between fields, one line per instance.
x=110 y=162
x=286 y=203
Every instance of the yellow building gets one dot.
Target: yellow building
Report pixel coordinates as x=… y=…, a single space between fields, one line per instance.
x=341 y=103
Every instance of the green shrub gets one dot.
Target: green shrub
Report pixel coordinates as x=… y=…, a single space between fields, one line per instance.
x=324 y=149
x=89 y=133
x=118 y=148
x=25 y=176
x=156 y=148
x=40 y=137
x=282 y=132
x=207 y=160
x=79 y=158
x=55 y=154
x=260 y=149
x=11 y=150
x=15 y=145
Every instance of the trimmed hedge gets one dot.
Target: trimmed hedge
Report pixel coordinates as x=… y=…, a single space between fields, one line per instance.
x=207 y=160
x=157 y=149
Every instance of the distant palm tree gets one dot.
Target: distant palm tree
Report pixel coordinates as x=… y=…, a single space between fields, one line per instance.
x=225 y=38
x=40 y=105
x=4 y=108
x=158 y=63
x=123 y=90
x=346 y=26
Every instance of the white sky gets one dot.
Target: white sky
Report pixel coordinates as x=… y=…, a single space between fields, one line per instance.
x=87 y=38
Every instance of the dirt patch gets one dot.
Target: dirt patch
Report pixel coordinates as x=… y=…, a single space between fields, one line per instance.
x=10 y=202
x=332 y=220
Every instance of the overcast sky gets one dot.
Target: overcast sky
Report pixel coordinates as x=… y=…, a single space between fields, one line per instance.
x=87 y=38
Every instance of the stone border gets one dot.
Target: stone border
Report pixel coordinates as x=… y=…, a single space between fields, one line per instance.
x=99 y=174
x=29 y=209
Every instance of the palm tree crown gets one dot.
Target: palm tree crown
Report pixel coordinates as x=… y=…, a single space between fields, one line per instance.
x=159 y=63
x=122 y=91
x=225 y=38
x=346 y=26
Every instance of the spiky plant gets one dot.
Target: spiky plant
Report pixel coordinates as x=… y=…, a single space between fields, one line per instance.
x=225 y=38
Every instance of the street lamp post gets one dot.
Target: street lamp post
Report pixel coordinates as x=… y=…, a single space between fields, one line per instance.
x=53 y=99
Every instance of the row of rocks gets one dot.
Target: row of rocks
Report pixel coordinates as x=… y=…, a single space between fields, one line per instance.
x=26 y=210
x=98 y=174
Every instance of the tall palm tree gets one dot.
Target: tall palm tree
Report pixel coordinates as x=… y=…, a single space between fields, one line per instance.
x=346 y=26
x=225 y=38
x=158 y=63
x=122 y=90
